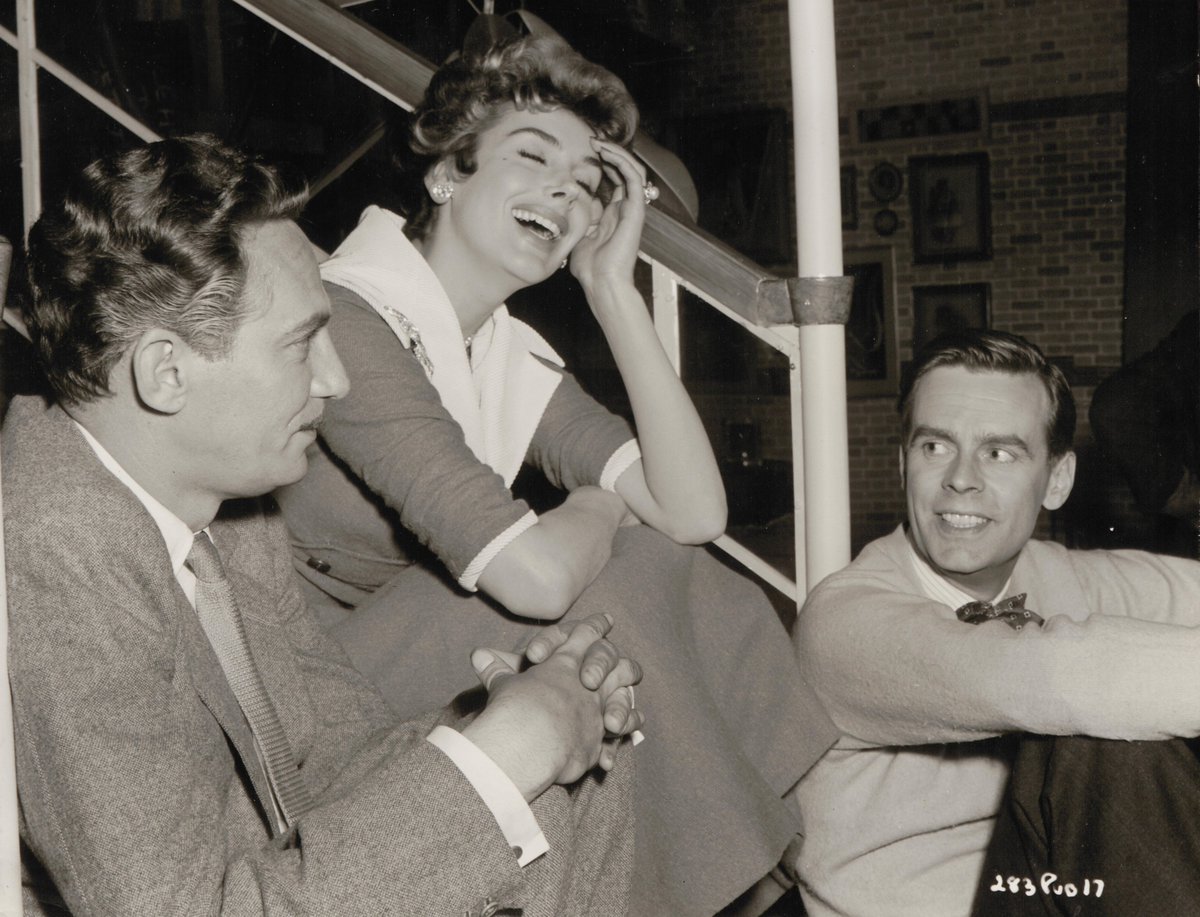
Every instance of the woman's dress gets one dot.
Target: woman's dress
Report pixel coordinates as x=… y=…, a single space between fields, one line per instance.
x=385 y=527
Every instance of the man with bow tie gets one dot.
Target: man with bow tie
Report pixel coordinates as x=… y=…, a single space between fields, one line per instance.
x=945 y=640
x=187 y=739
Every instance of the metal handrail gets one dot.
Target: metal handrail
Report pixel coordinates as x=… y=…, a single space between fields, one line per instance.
x=703 y=263
x=680 y=254
x=755 y=298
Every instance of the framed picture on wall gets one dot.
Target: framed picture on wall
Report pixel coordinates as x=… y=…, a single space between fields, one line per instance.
x=949 y=307
x=871 y=366
x=950 y=197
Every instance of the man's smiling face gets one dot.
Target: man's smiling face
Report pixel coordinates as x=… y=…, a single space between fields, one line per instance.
x=976 y=471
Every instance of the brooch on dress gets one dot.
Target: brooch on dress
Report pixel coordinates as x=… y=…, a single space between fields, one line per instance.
x=409 y=330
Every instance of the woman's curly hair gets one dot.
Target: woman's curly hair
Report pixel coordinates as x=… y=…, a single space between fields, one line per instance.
x=470 y=92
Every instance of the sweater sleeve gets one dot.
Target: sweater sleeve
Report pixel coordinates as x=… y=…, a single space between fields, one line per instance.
x=394 y=435
x=1132 y=584
x=896 y=668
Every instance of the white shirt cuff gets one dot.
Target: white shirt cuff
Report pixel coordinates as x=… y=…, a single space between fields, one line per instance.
x=513 y=815
x=478 y=564
x=618 y=463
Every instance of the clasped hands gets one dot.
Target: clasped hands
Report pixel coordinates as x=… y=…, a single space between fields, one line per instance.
x=547 y=723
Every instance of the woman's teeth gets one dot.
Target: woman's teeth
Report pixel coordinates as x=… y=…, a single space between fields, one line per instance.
x=538 y=224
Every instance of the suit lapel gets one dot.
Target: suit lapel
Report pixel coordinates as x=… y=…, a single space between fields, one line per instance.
x=237 y=533
x=58 y=436
x=212 y=687
x=259 y=597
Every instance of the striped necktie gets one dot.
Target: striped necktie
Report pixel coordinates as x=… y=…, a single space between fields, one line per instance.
x=222 y=622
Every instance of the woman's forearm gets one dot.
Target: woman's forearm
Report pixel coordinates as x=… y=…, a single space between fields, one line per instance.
x=545 y=568
x=677 y=487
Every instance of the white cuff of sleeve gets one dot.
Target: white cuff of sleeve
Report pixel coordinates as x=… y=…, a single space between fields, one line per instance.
x=478 y=564
x=513 y=815
x=618 y=463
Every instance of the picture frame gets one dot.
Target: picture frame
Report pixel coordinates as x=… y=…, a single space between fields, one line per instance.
x=950 y=200
x=940 y=308
x=872 y=367
x=849 y=186
x=885 y=183
x=903 y=120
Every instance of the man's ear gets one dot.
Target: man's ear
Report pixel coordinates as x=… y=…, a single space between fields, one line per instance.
x=159 y=366
x=1062 y=479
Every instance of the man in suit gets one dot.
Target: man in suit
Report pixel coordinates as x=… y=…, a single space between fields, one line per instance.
x=900 y=812
x=187 y=740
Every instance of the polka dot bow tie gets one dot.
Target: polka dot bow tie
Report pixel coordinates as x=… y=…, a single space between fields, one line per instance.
x=1011 y=611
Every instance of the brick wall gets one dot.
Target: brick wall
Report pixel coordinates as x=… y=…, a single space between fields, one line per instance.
x=1053 y=76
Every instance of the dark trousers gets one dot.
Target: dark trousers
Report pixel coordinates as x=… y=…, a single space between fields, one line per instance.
x=1096 y=827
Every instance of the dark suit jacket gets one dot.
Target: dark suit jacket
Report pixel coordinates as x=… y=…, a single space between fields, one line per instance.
x=129 y=741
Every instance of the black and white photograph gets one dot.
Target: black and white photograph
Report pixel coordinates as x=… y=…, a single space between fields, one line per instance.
x=599 y=459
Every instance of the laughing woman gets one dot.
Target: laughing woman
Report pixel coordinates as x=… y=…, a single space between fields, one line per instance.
x=519 y=164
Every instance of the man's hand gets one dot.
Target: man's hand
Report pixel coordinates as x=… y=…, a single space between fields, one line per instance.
x=547 y=724
x=603 y=669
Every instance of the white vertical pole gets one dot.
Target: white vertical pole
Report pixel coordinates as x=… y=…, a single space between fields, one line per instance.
x=666 y=312
x=10 y=848
x=799 y=476
x=27 y=101
x=819 y=254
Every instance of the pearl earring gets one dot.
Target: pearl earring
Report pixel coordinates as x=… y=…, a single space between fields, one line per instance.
x=564 y=264
x=442 y=192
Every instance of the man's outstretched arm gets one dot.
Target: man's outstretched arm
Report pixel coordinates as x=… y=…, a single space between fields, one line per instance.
x=893 y=667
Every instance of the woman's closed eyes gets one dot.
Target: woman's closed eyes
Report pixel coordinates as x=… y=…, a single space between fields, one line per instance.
x=541 y=160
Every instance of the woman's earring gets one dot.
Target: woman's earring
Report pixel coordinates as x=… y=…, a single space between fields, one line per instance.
x=564 y=264
x=442 y=192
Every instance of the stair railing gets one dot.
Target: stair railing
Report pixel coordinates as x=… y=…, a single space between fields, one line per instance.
x=801 y=317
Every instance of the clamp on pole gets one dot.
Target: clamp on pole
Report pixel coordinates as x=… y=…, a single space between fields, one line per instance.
x=820 y=300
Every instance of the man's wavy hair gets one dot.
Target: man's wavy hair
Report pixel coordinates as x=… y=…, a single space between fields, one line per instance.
x=468 y=94
x=995 y=351
x=149 y=238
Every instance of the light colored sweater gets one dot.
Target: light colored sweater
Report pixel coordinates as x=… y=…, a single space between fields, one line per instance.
x=899 y=813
